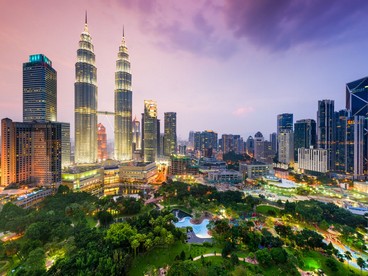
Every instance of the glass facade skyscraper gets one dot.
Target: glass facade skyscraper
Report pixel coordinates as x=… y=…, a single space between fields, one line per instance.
x=304 y=135
x=284 y=121
x=357 y=105
x=85 y=89
x=170 y=133
x=123 y=105
x=357 y=97
x=136 y=129
x=325 y=116
x=150 y=131
x=39 y=90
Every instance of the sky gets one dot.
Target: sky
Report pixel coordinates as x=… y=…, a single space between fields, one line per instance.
x=226 y=65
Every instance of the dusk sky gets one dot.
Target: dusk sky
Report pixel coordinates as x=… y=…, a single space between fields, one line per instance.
x=229 y=66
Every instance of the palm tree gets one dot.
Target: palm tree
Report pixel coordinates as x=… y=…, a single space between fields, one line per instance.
x=361 y=263
x=348 y=256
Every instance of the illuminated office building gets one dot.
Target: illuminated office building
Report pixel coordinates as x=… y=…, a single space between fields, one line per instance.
x=286 y=146
x=85 y=89
x=65 y=145
x=39 y=90
x=170 y=133
x=325 y=131
x=284 y=121
x=31 y=153
x=101 y=143
x=136 y=130
x=123 y=105
x=304 y=135
x=150 y=131
x=206 y=142
x=357 y=105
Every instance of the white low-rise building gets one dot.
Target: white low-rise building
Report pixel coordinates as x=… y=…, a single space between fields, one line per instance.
x=314 y=160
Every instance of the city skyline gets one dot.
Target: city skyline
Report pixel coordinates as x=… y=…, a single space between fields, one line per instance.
x=188 y=63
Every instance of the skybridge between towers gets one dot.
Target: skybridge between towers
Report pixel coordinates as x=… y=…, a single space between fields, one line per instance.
x=105 y=113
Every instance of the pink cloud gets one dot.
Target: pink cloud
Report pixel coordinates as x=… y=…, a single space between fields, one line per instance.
x=242 y=111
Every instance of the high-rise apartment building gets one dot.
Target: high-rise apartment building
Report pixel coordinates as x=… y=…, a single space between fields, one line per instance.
x=39 y=90
x=31 y=153
x=227 y=143
x=304 y=135
x=231 y=142
x=325 y=129
x=123 y=105
x=286 y=146
x=85 y=102
x=170 y=139
x=150 y=131
x=136 y=130
x=206 y=142
x=101 y=143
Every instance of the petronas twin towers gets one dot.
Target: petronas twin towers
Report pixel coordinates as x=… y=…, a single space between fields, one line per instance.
x=85 y=89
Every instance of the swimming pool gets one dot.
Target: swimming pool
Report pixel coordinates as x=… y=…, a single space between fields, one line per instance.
x=200 y=230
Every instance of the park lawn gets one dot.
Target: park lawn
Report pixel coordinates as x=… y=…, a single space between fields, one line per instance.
x=214 y=260
x=314 y=260
x=278 y=270
x=265 y=209
x=160 y=257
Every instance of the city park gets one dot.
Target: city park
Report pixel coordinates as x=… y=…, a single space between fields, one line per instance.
x=184 y=229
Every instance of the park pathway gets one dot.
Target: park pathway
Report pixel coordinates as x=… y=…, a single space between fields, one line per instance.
x=247 y=260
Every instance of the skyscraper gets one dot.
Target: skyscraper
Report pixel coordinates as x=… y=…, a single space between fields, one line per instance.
x=85 y=92
x=170 y=141
x=304 y=135
x=150 y=131
x=101 y=143
x=65 y=145
x=284 y=121
x=357 y=97
x=31 y=153
x=349 y=142
x=39 y=90
x=273 y=140
x=249 y=146
x=123 y=105
x=40 y=98
x=258 y=145
x=136 y=129
x=325 y=115
x=286 y=146
x=357 y=104
x=227 y=143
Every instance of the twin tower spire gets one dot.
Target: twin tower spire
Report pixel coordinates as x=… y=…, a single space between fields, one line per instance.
x=86 y=95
